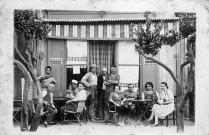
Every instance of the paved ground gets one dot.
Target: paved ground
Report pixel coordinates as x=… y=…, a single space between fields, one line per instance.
x=109 y=129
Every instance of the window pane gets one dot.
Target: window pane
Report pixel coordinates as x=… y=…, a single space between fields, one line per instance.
x=129 y=74
x=76 y=52
x=127 y=53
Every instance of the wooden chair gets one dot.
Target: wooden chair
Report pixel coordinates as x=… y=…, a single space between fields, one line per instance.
x=112 y=110
x=173 y=114
x=78 y=111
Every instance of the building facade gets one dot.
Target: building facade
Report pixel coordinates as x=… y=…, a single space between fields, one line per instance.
x=80 y=38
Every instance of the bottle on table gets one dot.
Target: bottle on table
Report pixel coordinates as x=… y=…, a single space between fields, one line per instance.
x=137 y=94
x=142 y=95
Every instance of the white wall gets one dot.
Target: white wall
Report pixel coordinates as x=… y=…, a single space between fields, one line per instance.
x=128 y=59
x=168 y=57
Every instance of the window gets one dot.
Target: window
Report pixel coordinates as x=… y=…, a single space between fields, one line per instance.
x=128 y=64
x=76 y=60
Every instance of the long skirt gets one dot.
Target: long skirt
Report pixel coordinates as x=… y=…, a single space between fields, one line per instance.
x=163 y=110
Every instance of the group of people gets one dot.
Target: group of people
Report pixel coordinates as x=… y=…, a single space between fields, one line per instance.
x=104 y=90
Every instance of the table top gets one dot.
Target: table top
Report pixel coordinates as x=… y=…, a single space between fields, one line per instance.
x=141 y=100
x=60 y=98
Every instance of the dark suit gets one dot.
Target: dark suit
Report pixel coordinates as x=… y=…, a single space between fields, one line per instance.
x=101 y=97
x=52 y=111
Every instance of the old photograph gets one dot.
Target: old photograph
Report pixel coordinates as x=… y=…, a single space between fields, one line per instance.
x=108 y=71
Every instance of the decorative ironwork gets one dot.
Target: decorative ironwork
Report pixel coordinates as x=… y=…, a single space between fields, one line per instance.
x=77 y=58
x=126 y=84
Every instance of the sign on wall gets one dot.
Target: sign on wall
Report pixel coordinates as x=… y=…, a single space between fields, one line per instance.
x=56 y=60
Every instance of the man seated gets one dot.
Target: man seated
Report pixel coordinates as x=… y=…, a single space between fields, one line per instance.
x=80 y=95
x=130 y=94
x=48 y=104
x=73 y=90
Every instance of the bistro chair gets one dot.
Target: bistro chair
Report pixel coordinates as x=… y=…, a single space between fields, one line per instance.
x=78 y=111
x=17 y=114
x=113 y=112
x=17 y=108
x=173 y=114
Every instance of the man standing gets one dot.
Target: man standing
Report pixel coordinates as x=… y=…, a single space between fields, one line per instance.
x=47 y=78
x=90 y=81
x=48 y=103
x=112 y=79
x=101 y=93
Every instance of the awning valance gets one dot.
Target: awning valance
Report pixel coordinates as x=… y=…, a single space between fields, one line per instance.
x=101 y=31
x=107 y=20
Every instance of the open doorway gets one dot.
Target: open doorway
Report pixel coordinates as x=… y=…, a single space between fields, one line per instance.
x=102 y=53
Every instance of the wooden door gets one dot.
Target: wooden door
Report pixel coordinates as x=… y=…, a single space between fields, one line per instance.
x=150 y=73
x=57 y=60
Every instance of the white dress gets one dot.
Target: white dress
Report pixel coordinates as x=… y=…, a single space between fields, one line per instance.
x=163 y=110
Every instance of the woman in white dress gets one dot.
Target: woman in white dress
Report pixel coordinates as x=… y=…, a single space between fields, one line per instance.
x=164 y=105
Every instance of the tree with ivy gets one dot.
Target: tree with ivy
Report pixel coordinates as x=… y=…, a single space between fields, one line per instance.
x=150 y=42
x=30 y=27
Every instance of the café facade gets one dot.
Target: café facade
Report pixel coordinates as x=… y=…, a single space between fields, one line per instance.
x=80 y=38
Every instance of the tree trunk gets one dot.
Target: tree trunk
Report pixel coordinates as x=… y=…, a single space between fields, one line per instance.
x=180 y=104
x=39 y=100
x=24 y=112
x=180 y=120
x=180 y=112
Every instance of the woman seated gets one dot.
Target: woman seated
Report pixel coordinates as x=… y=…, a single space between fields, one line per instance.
x=149 y=93
x=81 y=95
x=117 y=98
x=164 y=105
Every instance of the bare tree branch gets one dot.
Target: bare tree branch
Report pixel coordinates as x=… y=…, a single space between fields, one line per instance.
x=167 y=68
x=20 y=56
x=24 y=112
x=30 y=68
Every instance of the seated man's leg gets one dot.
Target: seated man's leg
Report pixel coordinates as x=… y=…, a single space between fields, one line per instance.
x=132 y=108
x=52 y=112
x=62 y=109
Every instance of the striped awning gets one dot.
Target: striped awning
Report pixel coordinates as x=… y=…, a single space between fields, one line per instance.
x=101 y=31
x=108 y=19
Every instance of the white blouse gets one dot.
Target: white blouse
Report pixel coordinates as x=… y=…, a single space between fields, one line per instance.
x=167 y=95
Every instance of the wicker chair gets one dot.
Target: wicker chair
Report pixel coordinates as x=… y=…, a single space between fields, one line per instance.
x=78 y=111
x=112 y=110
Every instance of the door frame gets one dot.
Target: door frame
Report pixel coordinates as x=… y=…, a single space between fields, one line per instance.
x=63 y=50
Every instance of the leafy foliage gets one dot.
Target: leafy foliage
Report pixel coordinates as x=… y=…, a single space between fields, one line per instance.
x=187 y=29
x=28 y=23
x=150 y=42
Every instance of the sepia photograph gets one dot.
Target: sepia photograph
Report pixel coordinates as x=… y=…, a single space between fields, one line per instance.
x=105 y=67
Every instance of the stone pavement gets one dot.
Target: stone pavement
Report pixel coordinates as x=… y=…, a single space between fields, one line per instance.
x=109 y=129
